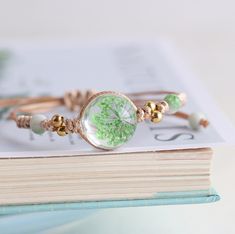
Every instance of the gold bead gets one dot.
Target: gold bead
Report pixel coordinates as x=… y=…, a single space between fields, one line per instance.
x=160 y=107
x=61 y=131
x=57 y=120
x=152 y=105
x=156 y=116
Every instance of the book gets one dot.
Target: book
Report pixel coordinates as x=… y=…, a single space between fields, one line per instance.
x=169 y=165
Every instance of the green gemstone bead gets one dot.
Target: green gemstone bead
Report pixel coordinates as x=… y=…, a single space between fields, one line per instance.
x=109 y=120
x=174 y=102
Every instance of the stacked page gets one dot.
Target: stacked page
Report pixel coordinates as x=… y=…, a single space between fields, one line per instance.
x=104 y=177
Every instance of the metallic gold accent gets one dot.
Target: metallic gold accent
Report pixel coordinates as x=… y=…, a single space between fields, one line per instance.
x=156 y=116
x=151 y=104
x=57 y=120
x=61 y=131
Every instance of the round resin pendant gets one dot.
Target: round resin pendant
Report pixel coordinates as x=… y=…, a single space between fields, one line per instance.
x=108 y=120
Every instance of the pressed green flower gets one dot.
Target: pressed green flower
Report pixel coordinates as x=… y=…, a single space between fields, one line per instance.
x=112 y=119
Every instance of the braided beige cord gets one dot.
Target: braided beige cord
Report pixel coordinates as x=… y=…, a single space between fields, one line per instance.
x=71 y=125
x=75 y=99
x=23 y=121
x=47 y=125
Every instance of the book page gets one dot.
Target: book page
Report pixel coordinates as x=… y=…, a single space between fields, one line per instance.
x=123 y=67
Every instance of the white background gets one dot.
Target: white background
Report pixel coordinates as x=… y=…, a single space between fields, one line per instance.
x=203 y=30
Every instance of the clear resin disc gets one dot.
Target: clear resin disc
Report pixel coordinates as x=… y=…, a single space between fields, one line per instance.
x=109 y=120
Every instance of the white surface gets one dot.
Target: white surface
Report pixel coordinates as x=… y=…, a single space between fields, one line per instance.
x=205 y=33
x=36 y=70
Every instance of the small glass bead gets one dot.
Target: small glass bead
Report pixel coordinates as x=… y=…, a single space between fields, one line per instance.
x=35 y=124
x=174 y=102
x=109 y=120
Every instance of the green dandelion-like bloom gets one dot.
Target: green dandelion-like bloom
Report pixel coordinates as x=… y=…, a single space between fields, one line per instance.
x=111 y=121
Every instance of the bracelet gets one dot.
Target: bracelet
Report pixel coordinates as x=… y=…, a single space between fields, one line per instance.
x=106 y=120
